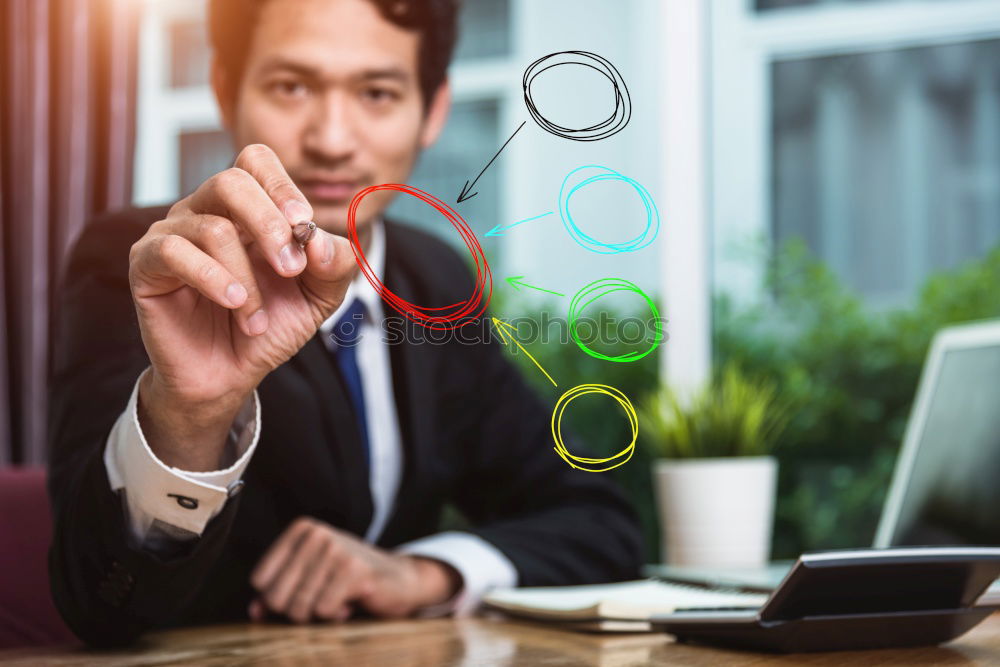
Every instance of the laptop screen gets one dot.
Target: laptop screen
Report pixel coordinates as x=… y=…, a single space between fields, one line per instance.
x=952 y=496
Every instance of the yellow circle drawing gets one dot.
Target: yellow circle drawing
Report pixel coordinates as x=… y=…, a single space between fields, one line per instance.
x=557 y=413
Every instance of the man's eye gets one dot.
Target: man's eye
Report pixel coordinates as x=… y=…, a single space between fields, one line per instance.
x=380 y=95
x=288 y=88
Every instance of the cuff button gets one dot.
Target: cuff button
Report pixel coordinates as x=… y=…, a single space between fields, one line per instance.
x=185 y=501
x=234 y=487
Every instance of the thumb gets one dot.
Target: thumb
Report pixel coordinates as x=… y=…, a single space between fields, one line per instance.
x=329 y=269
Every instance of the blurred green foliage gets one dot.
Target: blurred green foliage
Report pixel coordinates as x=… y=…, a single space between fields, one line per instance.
x=848 y=372
x=734 y=415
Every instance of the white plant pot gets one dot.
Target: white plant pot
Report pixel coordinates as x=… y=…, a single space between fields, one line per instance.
x=716 y=512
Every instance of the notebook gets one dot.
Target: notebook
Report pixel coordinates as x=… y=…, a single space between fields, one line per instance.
x=619 y=607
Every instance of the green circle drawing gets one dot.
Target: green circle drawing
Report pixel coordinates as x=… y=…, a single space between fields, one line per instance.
x=601 y=288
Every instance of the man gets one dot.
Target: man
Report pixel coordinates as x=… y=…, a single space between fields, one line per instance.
x=223 y=446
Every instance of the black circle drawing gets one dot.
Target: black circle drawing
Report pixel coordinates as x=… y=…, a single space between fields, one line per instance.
x=611 y=125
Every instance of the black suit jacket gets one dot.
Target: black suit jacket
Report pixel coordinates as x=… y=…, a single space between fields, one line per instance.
x=473 y=434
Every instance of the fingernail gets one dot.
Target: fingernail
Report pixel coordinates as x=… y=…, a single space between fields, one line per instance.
x=296 y=211
x=291 y=257
x=327 y=251
x=257 y=323
x=236 y=294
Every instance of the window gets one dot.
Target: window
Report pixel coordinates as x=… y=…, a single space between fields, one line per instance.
x=484 y=30
x=189 y=53
x=888 y=163
x=784 y=4
x=869 y=129
x=202 y=154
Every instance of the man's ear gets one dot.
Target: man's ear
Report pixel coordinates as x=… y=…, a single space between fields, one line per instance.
x=437 y=114
x=225 y=93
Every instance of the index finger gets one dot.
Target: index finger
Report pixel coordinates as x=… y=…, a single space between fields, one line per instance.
x=278 y=554
x=263 y=164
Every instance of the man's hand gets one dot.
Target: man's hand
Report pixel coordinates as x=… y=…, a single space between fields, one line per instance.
x=314 y=571
x=224 y=295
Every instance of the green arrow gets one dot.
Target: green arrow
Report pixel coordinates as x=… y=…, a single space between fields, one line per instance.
x=516 y=283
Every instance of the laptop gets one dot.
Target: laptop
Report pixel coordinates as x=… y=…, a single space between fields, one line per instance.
x=945 y=490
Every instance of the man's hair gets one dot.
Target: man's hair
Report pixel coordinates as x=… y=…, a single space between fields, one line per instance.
x=231 y=24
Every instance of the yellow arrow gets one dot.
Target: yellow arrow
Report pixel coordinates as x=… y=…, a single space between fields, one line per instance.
x=505 y=328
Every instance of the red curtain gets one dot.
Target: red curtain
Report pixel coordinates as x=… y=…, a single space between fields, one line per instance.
x=67 y=125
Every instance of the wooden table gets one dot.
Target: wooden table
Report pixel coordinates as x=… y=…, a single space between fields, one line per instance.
x=473 y=641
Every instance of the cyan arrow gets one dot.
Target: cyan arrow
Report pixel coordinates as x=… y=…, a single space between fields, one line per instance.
x=500 y=229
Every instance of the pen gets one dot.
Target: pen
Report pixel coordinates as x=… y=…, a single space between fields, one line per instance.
x=304 y=232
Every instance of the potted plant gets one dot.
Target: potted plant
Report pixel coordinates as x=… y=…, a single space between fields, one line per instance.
x=715 y=482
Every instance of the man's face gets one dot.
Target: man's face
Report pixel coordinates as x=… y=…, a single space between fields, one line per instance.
x=333 y=89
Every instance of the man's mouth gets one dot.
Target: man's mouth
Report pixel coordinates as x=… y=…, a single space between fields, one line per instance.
x=335 y=192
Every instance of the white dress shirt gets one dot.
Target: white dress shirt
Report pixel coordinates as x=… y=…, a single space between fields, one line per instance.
x=158 y=497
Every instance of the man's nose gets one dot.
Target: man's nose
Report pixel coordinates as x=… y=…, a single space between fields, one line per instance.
x=331 y=135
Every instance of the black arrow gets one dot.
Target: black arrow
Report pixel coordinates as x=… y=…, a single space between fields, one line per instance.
x=464 y=194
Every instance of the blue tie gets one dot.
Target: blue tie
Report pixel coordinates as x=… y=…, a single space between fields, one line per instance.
x=345 y=336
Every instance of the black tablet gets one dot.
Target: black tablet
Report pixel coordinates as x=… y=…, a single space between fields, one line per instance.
x=858 y=599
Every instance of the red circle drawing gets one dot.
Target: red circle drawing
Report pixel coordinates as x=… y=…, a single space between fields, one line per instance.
x=440 y=317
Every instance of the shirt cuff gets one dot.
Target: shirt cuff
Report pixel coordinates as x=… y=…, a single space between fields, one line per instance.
x=482 y=566
x=156 y=492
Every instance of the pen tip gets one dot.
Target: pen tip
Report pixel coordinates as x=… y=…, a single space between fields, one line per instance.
x=304 y=232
